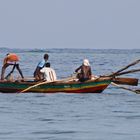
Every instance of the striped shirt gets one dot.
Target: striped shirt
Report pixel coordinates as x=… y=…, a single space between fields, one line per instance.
x=49 y=74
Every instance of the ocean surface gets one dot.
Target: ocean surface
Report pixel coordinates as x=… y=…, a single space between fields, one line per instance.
x=111 y=115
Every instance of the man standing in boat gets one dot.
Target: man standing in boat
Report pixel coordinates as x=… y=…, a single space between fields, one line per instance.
x=37 y=74
x=11 y=59
x=84 y=71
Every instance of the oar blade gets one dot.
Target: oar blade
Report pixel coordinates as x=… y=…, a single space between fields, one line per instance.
x=126 y=81
x=138 y=91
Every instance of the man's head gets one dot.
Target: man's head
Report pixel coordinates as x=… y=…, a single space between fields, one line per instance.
x=47 y=65
x=46 y=57
x=86 y=62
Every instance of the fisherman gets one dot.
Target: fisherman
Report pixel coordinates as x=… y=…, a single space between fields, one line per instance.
x=84 y=71
x=11 y=59
x=49 y=73
x=37 y=74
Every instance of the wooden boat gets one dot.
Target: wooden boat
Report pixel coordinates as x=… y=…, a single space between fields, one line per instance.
x=96 y=85
x=90 y=86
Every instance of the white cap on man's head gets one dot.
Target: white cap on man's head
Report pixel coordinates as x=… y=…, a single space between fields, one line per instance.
x=86 y=62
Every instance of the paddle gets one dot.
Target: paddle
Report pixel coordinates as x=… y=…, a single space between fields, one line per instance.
x=124 y=68
x=25 y=79
x=126 y=81
x=46 y=82
x=38 y=84
x=125 y=88
x=127 y=72
x=137 y=91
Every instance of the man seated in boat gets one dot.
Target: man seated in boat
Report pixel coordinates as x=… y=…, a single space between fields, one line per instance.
x=49 y=73
x=84 y=71
x=37 y=74
x=11 y=59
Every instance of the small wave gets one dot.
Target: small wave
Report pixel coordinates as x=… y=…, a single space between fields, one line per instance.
x=38 y=50
x=123 y=111
x=129 y=117
x=53 y=132
x=46 y=120
x=6 y=133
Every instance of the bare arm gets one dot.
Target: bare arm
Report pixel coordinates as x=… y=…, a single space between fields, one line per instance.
x=78 y=69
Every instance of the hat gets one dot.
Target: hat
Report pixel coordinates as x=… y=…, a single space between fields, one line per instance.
x=86 y=62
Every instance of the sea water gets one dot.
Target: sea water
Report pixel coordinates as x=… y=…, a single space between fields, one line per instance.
x=111 y=115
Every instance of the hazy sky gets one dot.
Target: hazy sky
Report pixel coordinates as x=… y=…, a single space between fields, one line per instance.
x=70 y=23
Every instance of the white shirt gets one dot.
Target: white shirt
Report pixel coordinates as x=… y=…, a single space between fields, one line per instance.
x=49 y=74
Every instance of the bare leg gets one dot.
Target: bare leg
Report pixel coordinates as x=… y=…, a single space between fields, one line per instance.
x=38 y=74
x=19 y=70
x=3 y=71
x=14 y=66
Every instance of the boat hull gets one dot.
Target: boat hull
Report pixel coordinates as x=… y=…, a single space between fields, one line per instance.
x=91 y=86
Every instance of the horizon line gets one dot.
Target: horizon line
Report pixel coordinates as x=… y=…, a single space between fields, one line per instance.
x=74 y=48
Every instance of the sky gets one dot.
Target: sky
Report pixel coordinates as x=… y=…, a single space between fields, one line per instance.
x=97 y=24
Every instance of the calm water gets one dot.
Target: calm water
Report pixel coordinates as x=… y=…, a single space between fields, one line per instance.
x=112 y=115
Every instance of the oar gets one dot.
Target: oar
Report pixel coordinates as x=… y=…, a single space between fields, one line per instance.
x=25 y=79
x=127 y=72
x=125 y=88
x=67 y=79
x=137 y=91
x=38 y=84
x=126 y=81
x=46 y=82
x=126 y=67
